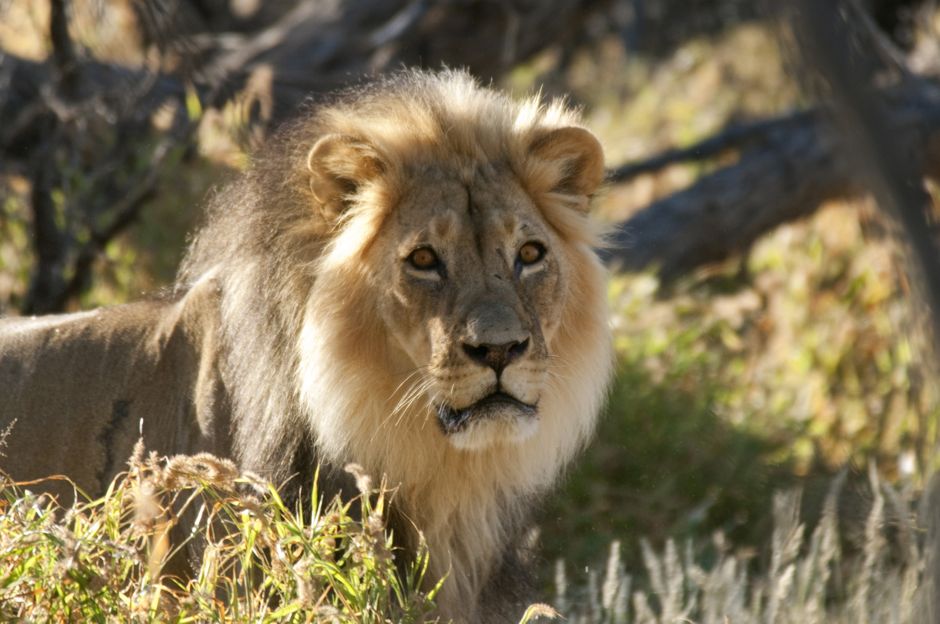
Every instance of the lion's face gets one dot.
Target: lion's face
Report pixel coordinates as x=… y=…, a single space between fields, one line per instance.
x=472 y=282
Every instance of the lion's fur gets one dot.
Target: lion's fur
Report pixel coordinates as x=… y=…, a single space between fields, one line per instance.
x=283 y=357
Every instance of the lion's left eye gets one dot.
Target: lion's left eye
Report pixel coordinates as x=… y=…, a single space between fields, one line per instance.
x=530 y=253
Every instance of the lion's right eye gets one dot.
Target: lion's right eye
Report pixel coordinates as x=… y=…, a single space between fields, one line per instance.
x=424 y=259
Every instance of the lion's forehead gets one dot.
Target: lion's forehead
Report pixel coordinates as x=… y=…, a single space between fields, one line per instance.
x=460 y=213
x=459 y=226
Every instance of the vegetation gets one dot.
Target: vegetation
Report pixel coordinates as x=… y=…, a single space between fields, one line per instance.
x=807 y=579
x=795 y=366
x=257 y=560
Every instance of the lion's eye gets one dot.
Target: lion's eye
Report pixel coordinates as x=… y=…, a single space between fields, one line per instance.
x=531 y=252
x=424 y=259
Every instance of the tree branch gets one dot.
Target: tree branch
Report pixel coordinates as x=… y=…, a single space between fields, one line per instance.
x=63 y=52
x=48 y=244
x=320 y=46
x=733 y=137
x=798 y=165
x=123 y=211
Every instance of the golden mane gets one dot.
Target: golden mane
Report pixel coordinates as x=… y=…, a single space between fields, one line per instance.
x=414 y=119
x=467 y=505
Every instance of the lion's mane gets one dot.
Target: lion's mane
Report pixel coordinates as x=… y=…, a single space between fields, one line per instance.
x=286 y=272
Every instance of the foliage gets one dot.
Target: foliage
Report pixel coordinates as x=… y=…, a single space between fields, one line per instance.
x=257 y=560
x=738 y=383
x=803 y=356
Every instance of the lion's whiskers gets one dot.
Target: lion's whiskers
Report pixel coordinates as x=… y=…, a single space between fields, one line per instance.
x=415 y=371
x=408 y=398
x=415 y=393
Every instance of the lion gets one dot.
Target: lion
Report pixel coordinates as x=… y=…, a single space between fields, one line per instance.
x=405 y=278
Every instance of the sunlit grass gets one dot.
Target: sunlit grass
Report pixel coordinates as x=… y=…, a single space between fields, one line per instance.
x=251 y=558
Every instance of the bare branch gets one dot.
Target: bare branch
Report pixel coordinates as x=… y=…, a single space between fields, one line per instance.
x=63 y=52
x=48 y=243
x=122 y=211
x=733 y=137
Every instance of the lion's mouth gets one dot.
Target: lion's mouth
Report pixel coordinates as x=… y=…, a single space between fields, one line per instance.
x=496 y=405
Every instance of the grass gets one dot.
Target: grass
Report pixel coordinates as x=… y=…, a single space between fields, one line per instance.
x=664 y=464
x=807 y=579
x=255 y=560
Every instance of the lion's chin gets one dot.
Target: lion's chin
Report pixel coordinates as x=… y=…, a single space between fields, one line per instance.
x=496 y=419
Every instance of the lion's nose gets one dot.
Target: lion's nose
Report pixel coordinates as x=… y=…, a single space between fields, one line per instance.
x=496 y=356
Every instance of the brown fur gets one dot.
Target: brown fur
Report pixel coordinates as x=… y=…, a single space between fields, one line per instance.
x=302 y=333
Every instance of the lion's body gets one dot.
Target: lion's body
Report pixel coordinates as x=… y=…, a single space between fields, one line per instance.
x=306 y=329
x=79 y=385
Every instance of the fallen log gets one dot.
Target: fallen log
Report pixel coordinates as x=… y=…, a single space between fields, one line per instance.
x=787 y=168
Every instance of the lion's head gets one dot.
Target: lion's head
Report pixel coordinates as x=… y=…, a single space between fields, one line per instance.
x=419 y=262
x=469 y=278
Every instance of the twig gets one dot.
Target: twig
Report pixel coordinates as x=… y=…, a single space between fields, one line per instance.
x=47 y=239
x=63 y=52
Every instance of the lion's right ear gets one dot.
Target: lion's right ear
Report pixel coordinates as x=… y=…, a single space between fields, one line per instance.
x=338 y=166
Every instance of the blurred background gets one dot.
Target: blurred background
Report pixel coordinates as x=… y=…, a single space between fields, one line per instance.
x=769 y=325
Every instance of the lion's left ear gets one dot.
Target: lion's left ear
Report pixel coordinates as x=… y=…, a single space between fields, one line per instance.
x=338 y=166
x=567 y=160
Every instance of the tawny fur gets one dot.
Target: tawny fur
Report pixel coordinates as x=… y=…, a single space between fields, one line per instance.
x=296 y=335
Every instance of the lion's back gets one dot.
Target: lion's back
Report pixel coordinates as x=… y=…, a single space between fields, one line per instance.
x=78 y=389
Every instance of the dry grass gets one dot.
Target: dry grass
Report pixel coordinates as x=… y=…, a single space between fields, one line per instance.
x=808 y=579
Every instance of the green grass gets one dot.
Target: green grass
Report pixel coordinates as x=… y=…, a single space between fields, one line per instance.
x=664 y=465
x=110 y=559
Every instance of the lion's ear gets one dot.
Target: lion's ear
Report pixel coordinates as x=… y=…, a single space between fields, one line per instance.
x=338 y=165
x=569 y=160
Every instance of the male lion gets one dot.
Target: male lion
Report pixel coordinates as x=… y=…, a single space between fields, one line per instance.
x=405 y=279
